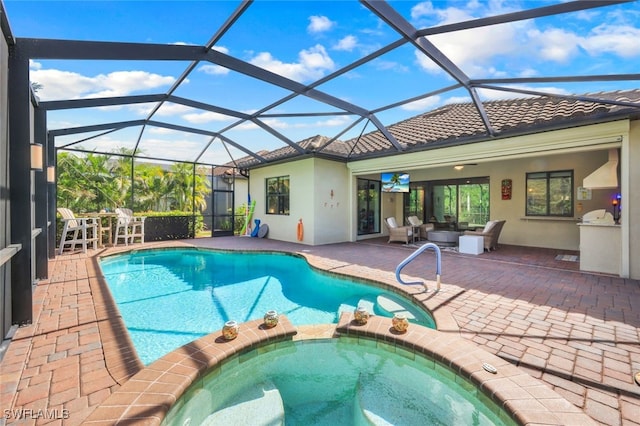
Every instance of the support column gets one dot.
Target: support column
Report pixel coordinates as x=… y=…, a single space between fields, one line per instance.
x=41 y=196
x=20 y=181
x=52 y=194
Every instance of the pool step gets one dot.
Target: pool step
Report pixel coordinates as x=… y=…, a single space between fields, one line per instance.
x=367 y=304
x=384 y=401
x=260 y=402
x=393 y=305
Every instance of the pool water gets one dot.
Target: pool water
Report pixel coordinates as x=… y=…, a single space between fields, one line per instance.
x=169 y=297
x=344 y=381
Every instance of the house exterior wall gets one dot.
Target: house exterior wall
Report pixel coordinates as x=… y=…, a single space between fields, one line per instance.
x=332 y=219
x=561 y=233
x=581 y=149
x=332 y=211
x=325 y=218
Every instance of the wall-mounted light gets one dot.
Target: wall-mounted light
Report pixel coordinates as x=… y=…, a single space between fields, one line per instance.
x=459 y=166
x=51 y=174
x=36 y=157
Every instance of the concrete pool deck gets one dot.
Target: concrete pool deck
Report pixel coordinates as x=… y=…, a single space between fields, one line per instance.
x=578 y=333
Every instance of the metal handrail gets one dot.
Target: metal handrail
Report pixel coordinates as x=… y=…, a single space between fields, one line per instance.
x=413 y=256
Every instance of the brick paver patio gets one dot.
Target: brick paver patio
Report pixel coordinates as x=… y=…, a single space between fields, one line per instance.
x=577 y=332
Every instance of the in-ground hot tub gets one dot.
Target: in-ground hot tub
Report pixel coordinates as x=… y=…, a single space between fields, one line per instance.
x=334 y=381
x=213 y=377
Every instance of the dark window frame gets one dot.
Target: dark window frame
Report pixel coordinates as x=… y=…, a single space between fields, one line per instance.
x=278 y=194
x=548 y=177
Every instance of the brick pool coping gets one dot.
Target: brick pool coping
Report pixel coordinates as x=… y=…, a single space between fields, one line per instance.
x=576 y=332
x=146 y=394
x=149 y=394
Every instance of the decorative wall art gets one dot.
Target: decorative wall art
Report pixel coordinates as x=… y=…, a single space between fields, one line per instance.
x=506 y=189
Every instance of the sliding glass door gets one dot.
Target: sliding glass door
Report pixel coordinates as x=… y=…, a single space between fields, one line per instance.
x=415 y=202
x=460 y=203
x=368 y=206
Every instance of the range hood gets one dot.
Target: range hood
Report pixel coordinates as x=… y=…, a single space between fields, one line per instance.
x=606 y=176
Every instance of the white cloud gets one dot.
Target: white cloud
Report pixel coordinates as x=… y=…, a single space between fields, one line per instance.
x=319 y=24
x=338 y=121
x=59 y=84
x=422 y=104
x=33 y=65
x=277 y=123
x=312 y=64
x=347 y=43
x=381 y=65
x=474 y=50
x=425 y=14
x=457 y=100
x=206 y=117
x=555 y=44
x=154 y=130
x=528 y=72
x=174 y=148
x=621 y=40
x=170 y=108
x=213 y=69
x=478 y=51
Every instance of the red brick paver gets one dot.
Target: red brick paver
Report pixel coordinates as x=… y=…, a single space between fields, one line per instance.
x=577 y=332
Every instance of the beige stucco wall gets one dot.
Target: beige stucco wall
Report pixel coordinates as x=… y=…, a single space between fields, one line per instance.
x=582 y=149
x=325 y=217
x=556 y=233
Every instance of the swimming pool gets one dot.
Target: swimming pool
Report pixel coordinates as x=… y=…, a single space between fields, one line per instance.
x=169 y=297
x=333 y=381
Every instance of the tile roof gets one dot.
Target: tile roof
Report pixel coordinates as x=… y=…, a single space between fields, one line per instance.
x=461 y=123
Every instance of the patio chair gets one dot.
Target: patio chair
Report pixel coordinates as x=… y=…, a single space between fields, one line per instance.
x=424 y=228
x=490 y=233
x=77 y=231
x=128 y=226
x=398 y=233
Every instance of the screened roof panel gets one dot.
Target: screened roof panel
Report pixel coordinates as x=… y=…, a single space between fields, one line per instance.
x=179 y=146
x=392 y=77
x=242 y=71
x=218 y=153
x=305 y=40
x=119 y=141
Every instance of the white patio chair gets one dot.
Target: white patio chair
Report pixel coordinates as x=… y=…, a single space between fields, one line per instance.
x=128 y=226
x=82 y=230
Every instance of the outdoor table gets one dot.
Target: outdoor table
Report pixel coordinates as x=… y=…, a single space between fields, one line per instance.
x=109 y=228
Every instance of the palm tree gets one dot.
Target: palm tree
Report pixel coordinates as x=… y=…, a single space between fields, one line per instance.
x=151 y=187
x=188 y=189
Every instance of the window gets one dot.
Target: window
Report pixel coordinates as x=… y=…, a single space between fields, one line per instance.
x=278 y=195
x=550 y=193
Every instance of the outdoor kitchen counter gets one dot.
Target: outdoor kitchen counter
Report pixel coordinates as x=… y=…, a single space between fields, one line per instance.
x=600 y=248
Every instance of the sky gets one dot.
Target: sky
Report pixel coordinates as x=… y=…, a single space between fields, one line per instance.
x=306 y=41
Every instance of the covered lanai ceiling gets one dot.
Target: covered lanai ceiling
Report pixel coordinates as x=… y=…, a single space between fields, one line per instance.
x=213 y=82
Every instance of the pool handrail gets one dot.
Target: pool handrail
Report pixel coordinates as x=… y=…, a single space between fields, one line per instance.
x=415 y=254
